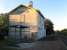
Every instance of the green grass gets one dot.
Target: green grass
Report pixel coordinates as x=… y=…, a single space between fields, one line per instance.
x=7 y=49
x=3 y=43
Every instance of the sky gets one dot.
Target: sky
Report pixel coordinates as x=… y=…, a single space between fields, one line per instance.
x=55 y=10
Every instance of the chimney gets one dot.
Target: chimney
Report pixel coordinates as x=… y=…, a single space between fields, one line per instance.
x=30 y=4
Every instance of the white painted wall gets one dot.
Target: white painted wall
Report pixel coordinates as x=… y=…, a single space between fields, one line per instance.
x=41 y=31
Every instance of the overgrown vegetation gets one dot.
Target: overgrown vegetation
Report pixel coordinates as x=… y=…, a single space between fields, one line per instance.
x=3 y=25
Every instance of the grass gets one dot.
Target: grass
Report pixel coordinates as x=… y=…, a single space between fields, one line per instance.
x=7 y=49
x=3 y=43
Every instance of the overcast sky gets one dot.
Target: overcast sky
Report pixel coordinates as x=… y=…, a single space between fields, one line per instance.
x=55 y=10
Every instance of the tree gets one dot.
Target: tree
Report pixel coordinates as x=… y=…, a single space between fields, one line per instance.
x=3 y=25
x=49 y=27
x=64 y=31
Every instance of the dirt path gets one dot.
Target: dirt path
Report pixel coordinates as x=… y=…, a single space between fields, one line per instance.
x=48 y=45
x=43 y=45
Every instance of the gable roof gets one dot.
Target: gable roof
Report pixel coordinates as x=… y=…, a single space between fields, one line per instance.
x=26 y=7
x=17 y=8
x=40 y=14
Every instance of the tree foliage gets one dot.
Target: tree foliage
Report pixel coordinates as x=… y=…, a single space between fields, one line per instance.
x=49 y=27
x=64 y=31
x=3 y=24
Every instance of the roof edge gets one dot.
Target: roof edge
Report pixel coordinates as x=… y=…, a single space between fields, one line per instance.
x=16 y=8
x=40 y=14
